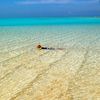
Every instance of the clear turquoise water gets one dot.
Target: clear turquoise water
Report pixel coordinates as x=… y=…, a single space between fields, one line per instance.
x=47 y=21
x=61 y=32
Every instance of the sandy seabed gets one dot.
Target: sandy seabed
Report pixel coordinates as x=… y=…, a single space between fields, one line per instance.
x=31 y=74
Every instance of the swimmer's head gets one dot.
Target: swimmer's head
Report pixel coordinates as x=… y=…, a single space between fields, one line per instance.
x=39 y=47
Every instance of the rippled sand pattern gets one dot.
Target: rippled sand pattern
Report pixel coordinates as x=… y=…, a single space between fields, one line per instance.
x=30 y=74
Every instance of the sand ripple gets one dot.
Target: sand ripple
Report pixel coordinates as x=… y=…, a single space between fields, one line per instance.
x=51 y=75
x=71 y=74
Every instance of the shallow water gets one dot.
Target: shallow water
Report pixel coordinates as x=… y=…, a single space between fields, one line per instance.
x=30 y=74
x=60 y=35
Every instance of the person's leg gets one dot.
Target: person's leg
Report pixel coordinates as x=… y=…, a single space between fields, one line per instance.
x=51 y=48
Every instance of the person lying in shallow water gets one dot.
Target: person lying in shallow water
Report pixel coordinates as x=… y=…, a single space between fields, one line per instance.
x=41 y=47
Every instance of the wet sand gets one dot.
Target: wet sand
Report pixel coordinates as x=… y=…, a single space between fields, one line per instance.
x=30 y=74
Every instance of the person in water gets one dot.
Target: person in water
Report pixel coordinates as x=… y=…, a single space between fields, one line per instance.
x=41 y=47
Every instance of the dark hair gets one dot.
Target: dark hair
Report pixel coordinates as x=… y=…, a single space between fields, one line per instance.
x=39 y=46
